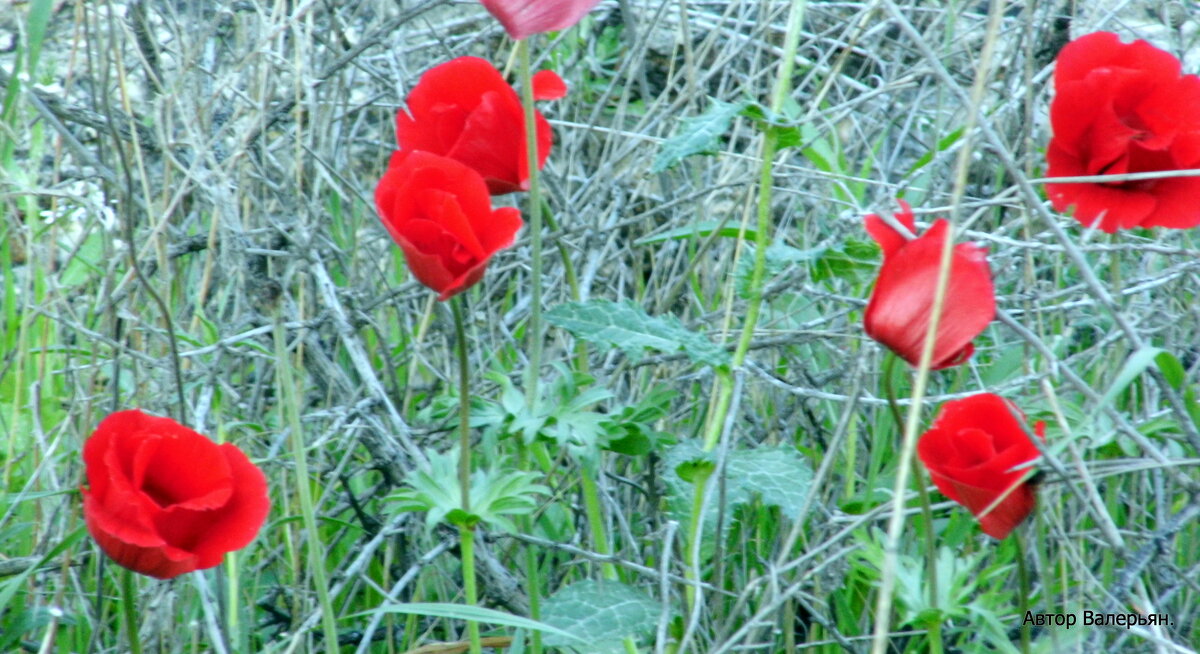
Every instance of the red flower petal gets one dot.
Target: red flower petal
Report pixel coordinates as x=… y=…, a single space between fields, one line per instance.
x=493 y=143
x=522 y=18
x=185 y=470
x=1123 y=108
x=901 y=304
x=163 y=499
x=438 y=211
x=547 y=85
x=463 y=109
x=1105 y=50
x=156 y=559
x=1175 y=203
x=971 y=451
x=1001 y=520
x=236 y=524
x=889 y=239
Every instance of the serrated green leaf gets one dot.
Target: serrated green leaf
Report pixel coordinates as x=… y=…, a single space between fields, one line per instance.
x=495 y=494
x=779 y=257
x=847 y=262
x=599 y=611
x=629 y=327
x=779 y=475
x=697 y=135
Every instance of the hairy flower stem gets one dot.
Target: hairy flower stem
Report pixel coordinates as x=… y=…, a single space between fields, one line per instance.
x=466 y=536
x=464 y=406
x=533 y=575
x=534 y=329
x=723 y=394
x=466 y=532
x=935 y=625
x=129 y=609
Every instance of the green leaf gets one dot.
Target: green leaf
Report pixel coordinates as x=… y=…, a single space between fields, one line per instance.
x=1176 y=375
x=86 y=261
x=1134 y=366
x=1171 y=369
x=633 y=443
x=629 y=327
x=692 y=470
x=9 y=587
x=701 y=229
x=495 y=494
x=779 y=475
x=779 y=258
x=698 y=135
x=475 y=613
x=786 y=130
x=39 y=20
x=943 y=144
x=600 y=612
x=849 y=262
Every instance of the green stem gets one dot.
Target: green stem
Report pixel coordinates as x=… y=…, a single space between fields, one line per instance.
x=464 y=406
x=692 y=570
x=534 y=335
x=723 y=395
x=290 y=406
x=129 y=608
x=572 y=284
x=783 y=85
x=466 y=537
x=1023 y=595
x=466 y=532
x=533 y=582
x=595 y=517
x=935 y=625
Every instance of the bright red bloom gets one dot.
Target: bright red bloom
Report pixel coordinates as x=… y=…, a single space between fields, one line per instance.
x=902 y=303
x=970 y=452
x=522 y=18
x=1124 y=108
x=163 y=500
x=463 y=109
x=438 y=211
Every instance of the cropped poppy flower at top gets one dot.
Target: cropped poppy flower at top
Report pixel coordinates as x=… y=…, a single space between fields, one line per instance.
x=522 y=18
x=163 y=500
x=970 y=452
x=901 y=305
x=438 y=211
x=463 y=109
x=1123 y=108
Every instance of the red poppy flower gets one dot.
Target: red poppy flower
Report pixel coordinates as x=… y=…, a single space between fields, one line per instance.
x=522 y=18
x=438 y=211
x=901 y=305
x=1124 y=108
x=463 y=109
x=164 y=500
x=970 y=452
